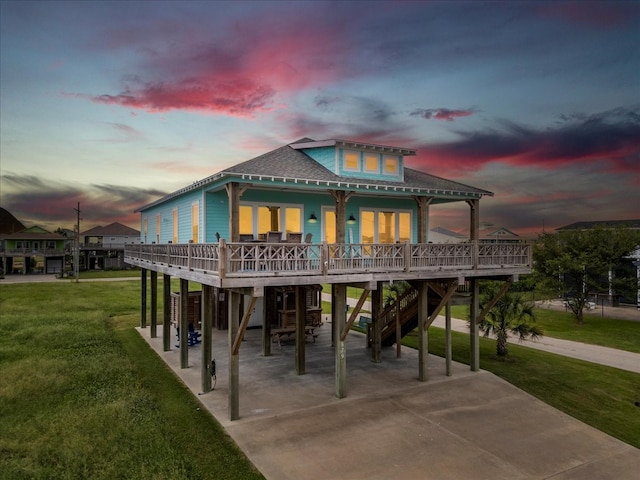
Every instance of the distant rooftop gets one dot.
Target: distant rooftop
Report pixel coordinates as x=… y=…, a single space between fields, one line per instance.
x=635 y=224
x=115 y=229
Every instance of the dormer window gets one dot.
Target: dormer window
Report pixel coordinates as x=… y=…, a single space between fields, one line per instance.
x=391 y=164
x=352 y=161
x=372 y=163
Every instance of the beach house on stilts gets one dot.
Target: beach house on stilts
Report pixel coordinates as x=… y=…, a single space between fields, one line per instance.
x=262 y=237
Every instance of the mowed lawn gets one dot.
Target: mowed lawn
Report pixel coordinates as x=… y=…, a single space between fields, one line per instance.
x=83 y=396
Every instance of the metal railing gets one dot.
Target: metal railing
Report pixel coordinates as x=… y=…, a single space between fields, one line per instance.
x=228 y=260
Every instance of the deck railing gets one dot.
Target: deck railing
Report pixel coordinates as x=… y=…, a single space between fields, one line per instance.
x=228 y=260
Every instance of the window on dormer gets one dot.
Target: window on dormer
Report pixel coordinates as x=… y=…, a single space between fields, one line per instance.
x=372 y=163
x=391 y=164
x=352 y=161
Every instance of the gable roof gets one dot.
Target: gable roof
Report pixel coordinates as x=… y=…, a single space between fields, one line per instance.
x=9 y=223
x=289 y=164
x=115 y=229
x=447 y=232
x=33 y=233
x=497 y=232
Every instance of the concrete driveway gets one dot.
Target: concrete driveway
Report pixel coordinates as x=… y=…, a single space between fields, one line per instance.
x=391 y=426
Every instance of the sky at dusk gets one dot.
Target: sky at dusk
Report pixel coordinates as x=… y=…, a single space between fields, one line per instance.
x=113 y=104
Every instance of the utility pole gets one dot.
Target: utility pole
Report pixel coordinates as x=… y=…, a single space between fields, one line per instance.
x=76 y=250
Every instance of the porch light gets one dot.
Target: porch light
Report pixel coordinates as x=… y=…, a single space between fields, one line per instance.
x=351 y=220
x=313 y=218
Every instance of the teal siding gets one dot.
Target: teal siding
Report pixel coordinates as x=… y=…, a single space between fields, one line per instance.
x=325 y=156
x=165 y=210
x=217 y=216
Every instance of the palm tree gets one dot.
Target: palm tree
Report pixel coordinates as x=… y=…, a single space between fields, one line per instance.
x=511 y=314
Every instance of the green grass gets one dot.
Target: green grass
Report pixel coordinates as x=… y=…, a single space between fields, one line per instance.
x=596 y=330
x=600 y=396
x=110 y=274
x=83 y=396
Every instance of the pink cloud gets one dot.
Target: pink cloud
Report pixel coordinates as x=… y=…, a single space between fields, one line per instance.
x=610 y=140
x=239 y=76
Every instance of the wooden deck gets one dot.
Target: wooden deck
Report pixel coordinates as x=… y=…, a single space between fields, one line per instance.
x=235 y=265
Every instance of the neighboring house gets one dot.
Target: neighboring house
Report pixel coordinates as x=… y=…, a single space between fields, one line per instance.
x=632 y=262
x=32 y=250
x=102 y=248
x=491 y=234
x=443 y=235
x=264 y=235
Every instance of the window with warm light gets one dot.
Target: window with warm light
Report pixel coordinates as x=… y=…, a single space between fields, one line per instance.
x=257 y=220
x=293 y=219
x=195 y=222
x=372 y=163
x=391 y=165
x=329 y=225
x=246 y=220
x=385 y=226
x=352 y=161
x=145 y=228
x=175 y=225
x=157 y=228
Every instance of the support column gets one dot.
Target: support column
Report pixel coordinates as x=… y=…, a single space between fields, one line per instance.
x=184 y=323
x=143 y=297
x=474 y=220
x=423 y=217
x=301 y=317
x=154 y=304
x=474 y=335
x=339 y=311
x=447 y=339
x=377 y=302
x=268 y=306
x=166 y=312
x=423 y=331
x=234 y=192
x=234 y=360
x=207 y=332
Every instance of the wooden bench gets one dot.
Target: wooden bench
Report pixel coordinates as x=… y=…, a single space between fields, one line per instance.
x=288 y=333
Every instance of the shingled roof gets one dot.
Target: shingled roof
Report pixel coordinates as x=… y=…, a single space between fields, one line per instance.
x=290 y=164
x=114 y=229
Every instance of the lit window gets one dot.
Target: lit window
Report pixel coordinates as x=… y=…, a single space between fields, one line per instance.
x=352 y=161
x=391 y=165
x=372 y=163
x=378 y=226
x=175 y=225
x=329 y=225
x=246 y=220
x=292 y=217
x=195 y=222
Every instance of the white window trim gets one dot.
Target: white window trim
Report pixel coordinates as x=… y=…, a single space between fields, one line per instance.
x=344 y=161
x=376 y=227
x=283 y=206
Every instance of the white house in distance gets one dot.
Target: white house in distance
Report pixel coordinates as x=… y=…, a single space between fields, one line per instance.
x=102 y=248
